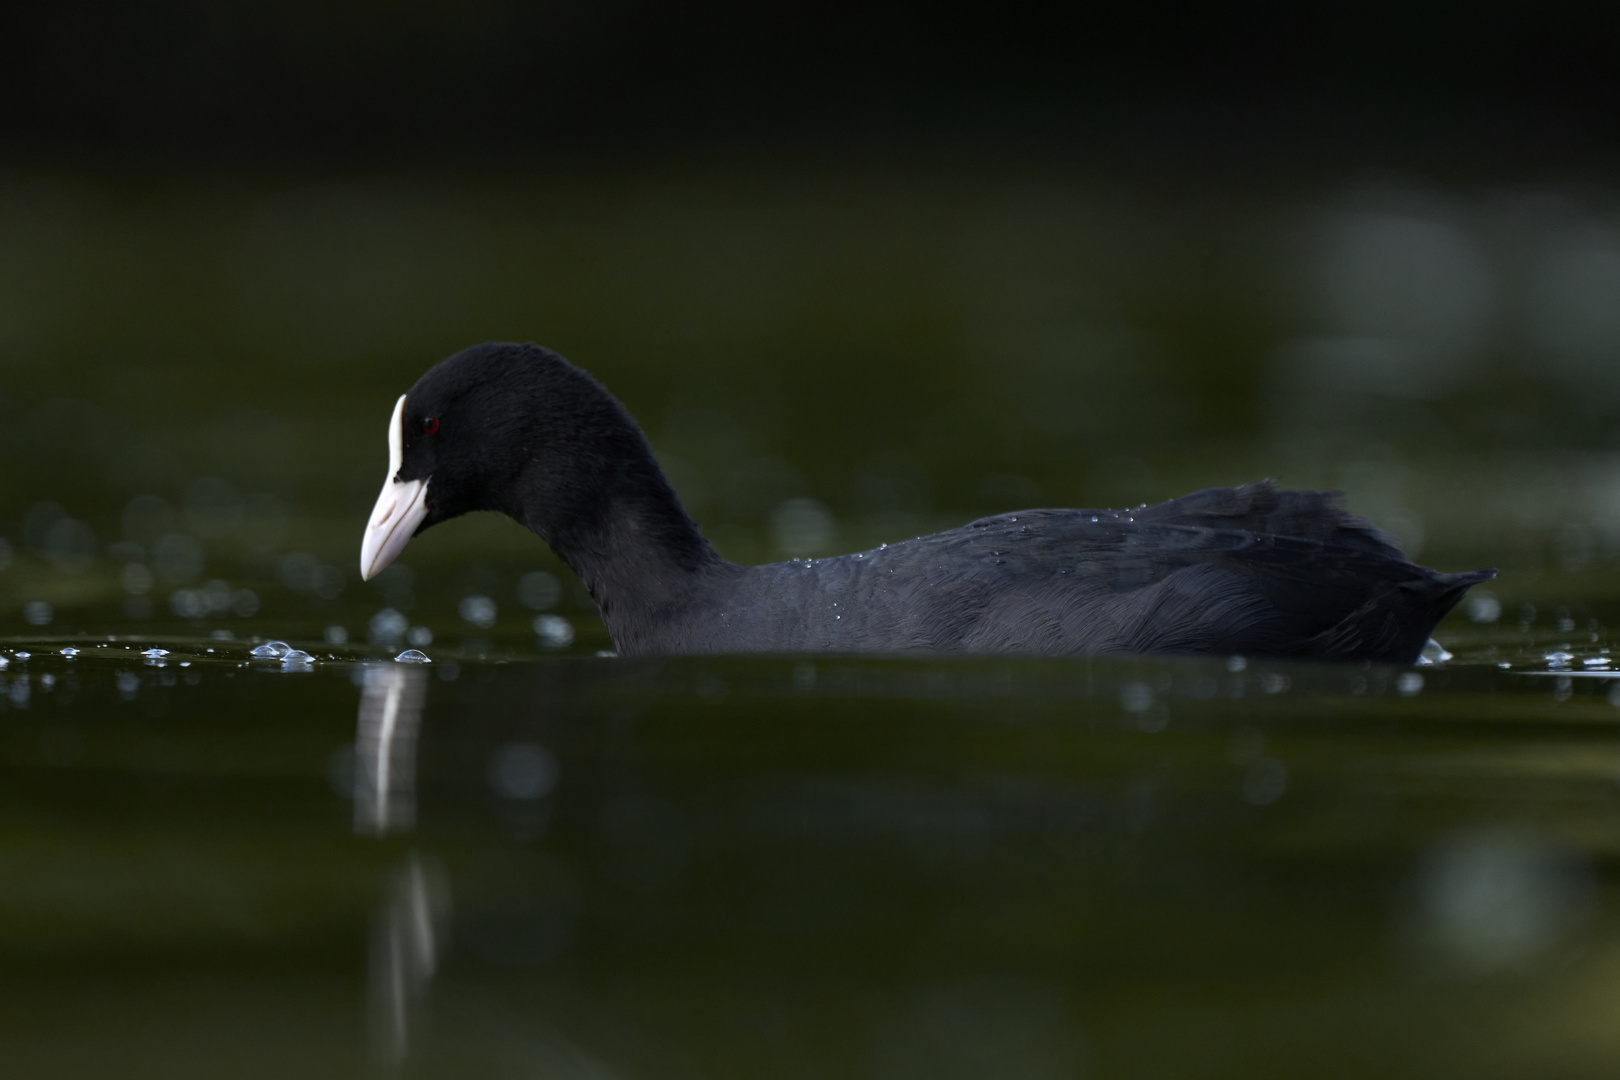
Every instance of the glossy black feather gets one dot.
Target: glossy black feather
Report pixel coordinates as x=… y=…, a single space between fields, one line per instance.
x=1227 y=570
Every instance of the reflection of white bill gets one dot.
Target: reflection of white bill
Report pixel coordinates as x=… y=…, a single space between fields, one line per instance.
x=385 y=748
x=407 y=941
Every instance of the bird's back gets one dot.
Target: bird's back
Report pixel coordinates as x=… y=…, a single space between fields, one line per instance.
x=1226 y=570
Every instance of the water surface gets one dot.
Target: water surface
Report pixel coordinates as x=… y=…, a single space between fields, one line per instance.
x=886 y=867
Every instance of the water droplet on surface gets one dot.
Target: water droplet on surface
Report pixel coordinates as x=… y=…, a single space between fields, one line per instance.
x=272 y=650
x=1558 y=658
x=152 y=654
x=70 y=652
x=412 y=656
x=1433 y=653
x=23 y=655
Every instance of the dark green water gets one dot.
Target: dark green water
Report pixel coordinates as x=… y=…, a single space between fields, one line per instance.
x=526 y=861
x=579 y=867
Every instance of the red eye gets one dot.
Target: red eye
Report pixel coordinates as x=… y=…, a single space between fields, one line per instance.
x=429 y=426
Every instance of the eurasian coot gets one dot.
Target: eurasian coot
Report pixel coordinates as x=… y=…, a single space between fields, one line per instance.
x=519 y=430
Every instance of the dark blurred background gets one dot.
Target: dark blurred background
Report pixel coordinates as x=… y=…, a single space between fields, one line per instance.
x=860 y=272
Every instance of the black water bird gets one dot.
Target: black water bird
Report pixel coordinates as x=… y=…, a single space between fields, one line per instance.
x=519 y=430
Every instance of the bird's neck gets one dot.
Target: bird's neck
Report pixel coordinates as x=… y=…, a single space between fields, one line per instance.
x=629 y=541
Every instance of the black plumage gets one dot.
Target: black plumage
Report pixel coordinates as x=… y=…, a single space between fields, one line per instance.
x=519 y=430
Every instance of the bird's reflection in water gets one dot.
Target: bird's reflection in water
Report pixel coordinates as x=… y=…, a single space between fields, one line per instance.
x=408 y=932
x=385 y=748
x=407 y=940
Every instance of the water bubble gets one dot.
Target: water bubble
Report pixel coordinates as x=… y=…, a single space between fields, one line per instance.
x=155 y=653
x=272 y=650
x=412 y=656
x=1433 y=653
x=4 y=663
x=21 y=655
x=522 y=771
x=539 y=591
x=70 y=652
x=335 y=635
x=38 y=613
x=554 y=631
x=1595 y=662
x=1408 y=684
x=295 y=656
x=478 y=610
x=1558 y=659
x=419 y=636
